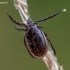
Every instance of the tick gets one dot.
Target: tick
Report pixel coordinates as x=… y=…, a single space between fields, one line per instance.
x=35 y=40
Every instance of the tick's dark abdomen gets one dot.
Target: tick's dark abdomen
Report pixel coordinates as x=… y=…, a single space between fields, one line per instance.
x=36 y=42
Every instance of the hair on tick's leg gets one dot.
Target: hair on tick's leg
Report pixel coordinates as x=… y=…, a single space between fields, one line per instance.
x=20 y=29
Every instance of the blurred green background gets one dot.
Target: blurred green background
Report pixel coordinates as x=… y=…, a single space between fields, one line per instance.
x=13 y=53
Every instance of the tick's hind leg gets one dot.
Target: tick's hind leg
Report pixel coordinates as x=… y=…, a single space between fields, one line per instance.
x=18 y=23
x=20 y=29
x=51 y=44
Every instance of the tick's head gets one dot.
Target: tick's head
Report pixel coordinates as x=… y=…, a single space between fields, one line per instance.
x=29 y=22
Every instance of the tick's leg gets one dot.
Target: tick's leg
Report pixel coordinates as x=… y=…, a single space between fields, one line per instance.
x=20 y=29
x=46 y=18
x=52 y=46
x=18 y=23
x=39 y=27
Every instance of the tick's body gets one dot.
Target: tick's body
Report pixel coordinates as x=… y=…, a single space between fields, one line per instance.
x=35 y=42
x=35 y=39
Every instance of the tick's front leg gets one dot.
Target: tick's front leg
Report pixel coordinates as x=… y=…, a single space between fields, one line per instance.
x=18 y=23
